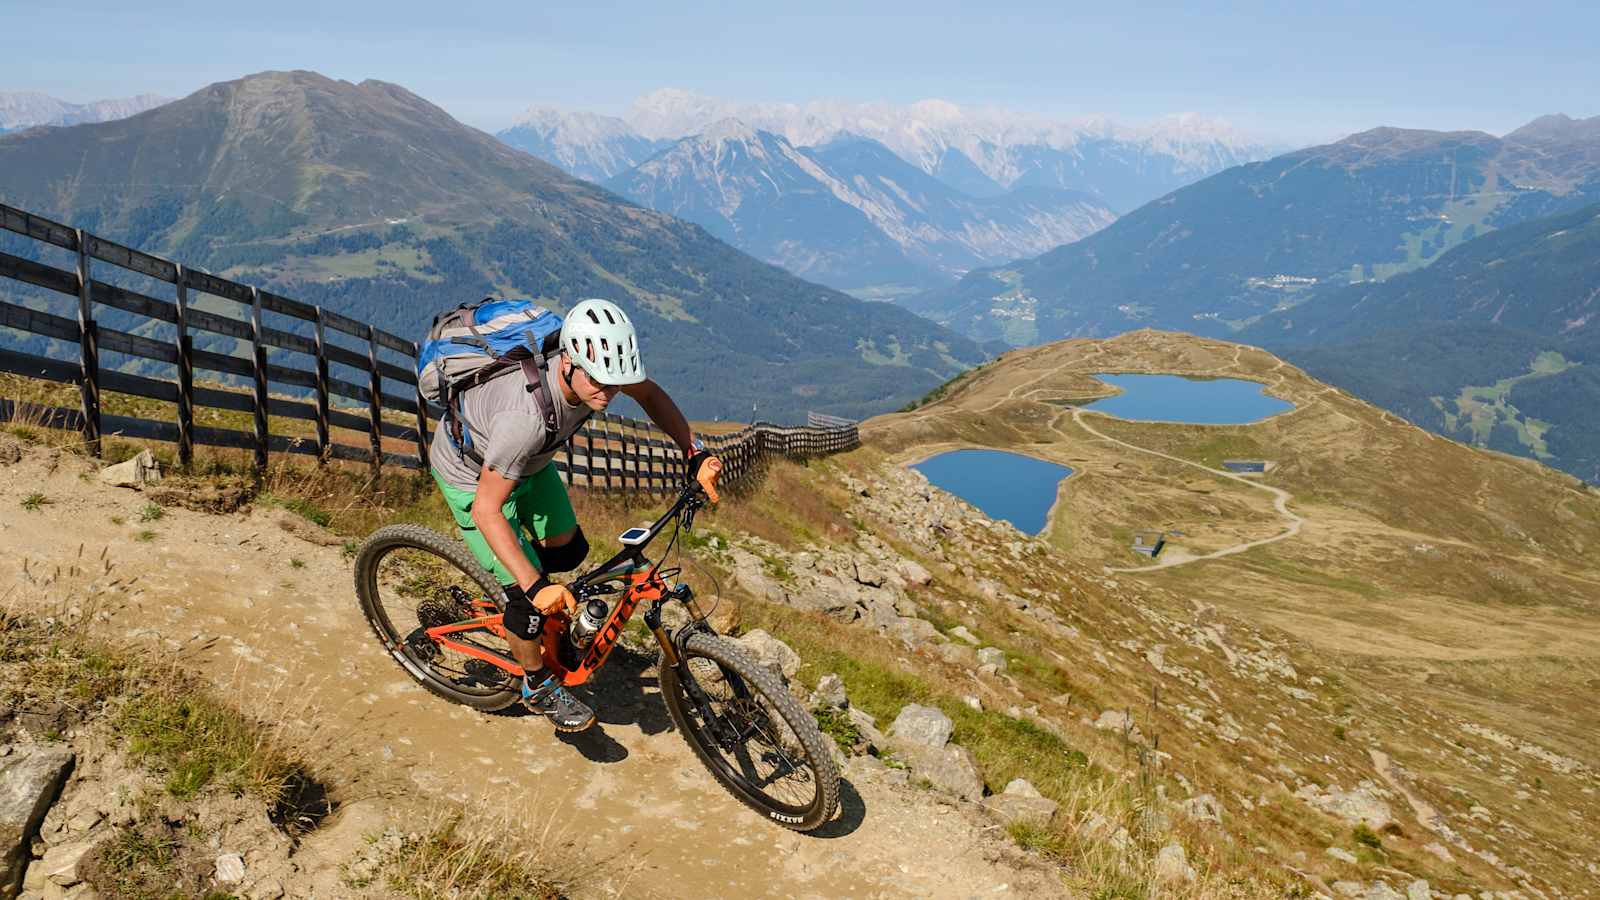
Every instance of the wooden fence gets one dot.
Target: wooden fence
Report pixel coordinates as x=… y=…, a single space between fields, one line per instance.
x=610 y=453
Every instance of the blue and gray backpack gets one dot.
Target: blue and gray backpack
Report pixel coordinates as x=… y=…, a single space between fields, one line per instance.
x=479 y=342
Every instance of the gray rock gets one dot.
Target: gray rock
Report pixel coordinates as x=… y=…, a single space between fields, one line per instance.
x=950 y=769
x=1117 y=720
x=1172 y=865
x=830 y=692
x=869 y=574
x=914 y=632
x=759 y=585
x=973 y=702
x=771 y=652
x=921 y=726
x=992 y=656
x=1342 y=855
x=868 y=726
x=914 y=573
x=30 y=781
x=957 y=654
x=230 y=868
x=1380 y=890
x=1361 y=804
x=1418 y=890
x=880 y=612
x=1204 y=808
x=61 y=862
x=960 y=631
x=137 y=472
x=1010 y=808
x=989 y=669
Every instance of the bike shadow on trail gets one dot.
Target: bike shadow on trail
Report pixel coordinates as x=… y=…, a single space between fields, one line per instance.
x=852 y=812
x=618 y=695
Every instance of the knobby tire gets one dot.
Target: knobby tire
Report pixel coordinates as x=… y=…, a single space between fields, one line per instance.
x=763 y=683
x=394 y=637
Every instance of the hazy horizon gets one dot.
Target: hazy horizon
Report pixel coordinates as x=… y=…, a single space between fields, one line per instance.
x=1276 y=74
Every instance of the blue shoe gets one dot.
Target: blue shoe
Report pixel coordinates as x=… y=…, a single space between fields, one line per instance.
x=552 y=700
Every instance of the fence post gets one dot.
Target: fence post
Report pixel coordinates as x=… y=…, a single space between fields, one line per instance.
x=605 y=435
x=258 y=368
x=323 y=438
x=588 y=442
x=89 y=351
x=185 y=376
x=374 y=407
x=422 y=413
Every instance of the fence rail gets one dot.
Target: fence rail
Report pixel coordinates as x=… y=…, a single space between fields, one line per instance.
x=610 y=453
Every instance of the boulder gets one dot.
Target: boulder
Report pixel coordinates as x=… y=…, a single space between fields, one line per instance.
x=949 y=768
x=830 y=692
x=992 y=656
x=1172 y=865
x=868 y=726
x=869 y=574
x=914 y=573
x=1418 y=890
x=30 y=781
x=880 y=612
x=1117 y=720
x=771 y=652
x=758 y=585
x=960 y=631
x=62 y=863
x=135 y=473
x=921 y=726
x=1342 y=855
x=957 y=654
x=1361 y=804
x=1021 y=802
x=914 y=632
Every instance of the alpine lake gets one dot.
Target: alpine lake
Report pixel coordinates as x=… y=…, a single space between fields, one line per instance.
x=1021 y=489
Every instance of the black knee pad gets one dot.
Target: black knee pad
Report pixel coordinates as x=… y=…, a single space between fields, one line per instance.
x=566 y=557
x=522 y=618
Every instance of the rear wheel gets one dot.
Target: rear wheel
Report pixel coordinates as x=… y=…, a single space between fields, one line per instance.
x=752 y=736
x=410 y=579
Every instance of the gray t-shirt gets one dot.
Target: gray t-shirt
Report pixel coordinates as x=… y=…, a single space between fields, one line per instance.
x=507 y=428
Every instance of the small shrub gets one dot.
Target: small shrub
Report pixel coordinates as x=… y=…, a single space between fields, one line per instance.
x=35 y=501
x=446 y=862
x=297 y=564
x=145 y=536
x=151 y=513
x=117 y=520
x=1338 y=732
x=835 y=723
x=1366 y=837
x=349 y=550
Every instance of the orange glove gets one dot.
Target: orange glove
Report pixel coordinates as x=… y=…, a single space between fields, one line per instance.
x=554 y=598
x=706 y=469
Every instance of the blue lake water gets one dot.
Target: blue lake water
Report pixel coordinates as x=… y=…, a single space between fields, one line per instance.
x=1009 y=486
x=1198 y=401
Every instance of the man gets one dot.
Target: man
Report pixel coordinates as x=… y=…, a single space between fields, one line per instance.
x=517 y=491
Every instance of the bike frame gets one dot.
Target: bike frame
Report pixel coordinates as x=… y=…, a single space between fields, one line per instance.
x=642 y=587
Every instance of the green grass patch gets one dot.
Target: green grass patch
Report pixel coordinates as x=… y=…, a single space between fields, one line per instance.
x=1264 y=562
x=1008 y=748
x=195 y=740
x=145 y=536
x=35 y=502
x=152 y=513
x=835 y=723
x=300 y=506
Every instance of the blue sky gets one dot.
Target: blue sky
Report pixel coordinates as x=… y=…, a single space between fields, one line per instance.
x=1299 y=71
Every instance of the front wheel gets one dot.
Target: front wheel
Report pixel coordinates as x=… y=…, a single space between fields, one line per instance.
x=752 y=736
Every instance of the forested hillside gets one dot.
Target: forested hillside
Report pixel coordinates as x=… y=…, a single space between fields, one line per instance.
x=374 y=202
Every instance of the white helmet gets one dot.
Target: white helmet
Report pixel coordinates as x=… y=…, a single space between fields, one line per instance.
x=598 y=336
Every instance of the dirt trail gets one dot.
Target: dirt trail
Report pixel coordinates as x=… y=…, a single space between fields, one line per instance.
x=1280 y=502
x=247 y=603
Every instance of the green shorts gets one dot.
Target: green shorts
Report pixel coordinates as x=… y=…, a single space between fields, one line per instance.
x=538 y=504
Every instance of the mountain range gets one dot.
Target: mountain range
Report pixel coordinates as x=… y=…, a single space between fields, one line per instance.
x=1219 y=255
x=372 y=201
x=26 y=109
x=879 y=200
x=850 y=214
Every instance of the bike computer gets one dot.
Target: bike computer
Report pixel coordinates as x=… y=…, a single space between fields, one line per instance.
x=633 y=537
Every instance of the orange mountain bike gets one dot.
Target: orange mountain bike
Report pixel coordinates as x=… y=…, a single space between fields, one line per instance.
x=439 y=614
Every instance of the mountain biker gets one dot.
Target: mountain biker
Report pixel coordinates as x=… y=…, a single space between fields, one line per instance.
x=517 y=491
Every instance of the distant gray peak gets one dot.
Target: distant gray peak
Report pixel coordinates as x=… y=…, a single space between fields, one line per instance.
x=25 y=109
x=575 y=124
